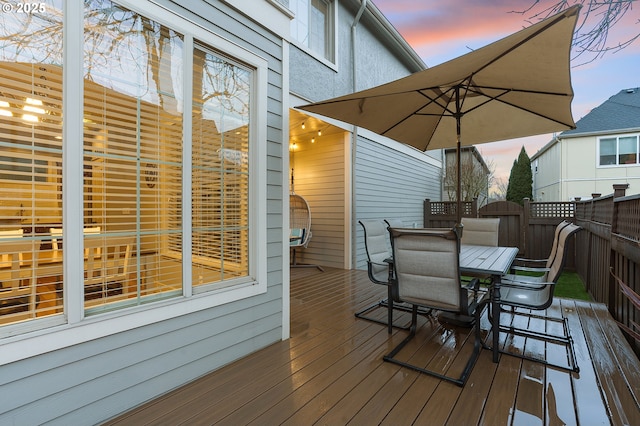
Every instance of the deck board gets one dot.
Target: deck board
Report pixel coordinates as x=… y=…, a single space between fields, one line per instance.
x=330 y=372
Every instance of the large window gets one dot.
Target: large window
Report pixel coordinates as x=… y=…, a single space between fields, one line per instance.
x=138 y=149
x=618 y=151
x=313 y=26
x=30 y=161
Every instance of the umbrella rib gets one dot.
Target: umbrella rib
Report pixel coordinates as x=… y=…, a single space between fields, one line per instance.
x=431 y=100
x=505 y=91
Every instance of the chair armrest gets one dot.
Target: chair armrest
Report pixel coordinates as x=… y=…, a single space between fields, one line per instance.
x=469 y=307
x=371 y=273
x=523 y=285
x=529 y=269
x=524 y=259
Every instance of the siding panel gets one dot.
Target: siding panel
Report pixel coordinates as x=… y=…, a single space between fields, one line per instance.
x=93 y=381
x=390 y=185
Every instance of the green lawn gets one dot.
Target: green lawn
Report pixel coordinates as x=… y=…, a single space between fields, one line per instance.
x=570 y=286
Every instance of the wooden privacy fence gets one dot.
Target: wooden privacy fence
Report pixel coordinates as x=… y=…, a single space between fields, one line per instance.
x=609 y=242
x=529 y=227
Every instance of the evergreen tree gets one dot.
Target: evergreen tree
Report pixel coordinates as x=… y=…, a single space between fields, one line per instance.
x=520 y=179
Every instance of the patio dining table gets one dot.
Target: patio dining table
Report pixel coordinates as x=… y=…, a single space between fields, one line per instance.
x=480 y=261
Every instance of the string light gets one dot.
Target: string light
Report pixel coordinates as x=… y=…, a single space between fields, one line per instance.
x=319 y=132
x=313 y=140
x=303 y=126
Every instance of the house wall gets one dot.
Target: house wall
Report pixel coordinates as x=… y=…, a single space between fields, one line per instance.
x=391 y=184
x=546 y=175
x=379 y=163
x=320 y=177
x=101 y=377
x=569 y=169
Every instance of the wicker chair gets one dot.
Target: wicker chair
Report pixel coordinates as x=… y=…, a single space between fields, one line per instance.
x=299 y=228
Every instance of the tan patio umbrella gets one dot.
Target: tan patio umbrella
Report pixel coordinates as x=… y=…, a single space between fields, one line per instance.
x=517 y=86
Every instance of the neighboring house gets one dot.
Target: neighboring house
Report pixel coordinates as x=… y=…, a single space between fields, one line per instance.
x=194 y=204
x=601 y=151
x=349 y=174
x=475 y=175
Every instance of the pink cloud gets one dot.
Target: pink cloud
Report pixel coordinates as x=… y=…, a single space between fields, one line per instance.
x=440 y=31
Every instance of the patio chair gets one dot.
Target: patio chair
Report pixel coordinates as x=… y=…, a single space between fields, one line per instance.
x=380 y=271
x=480 y=231
x=299 y=229
x=536 y=294
x=523 y=264
x=427 y=274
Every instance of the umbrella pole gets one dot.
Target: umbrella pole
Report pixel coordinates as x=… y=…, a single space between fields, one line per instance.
x=458 y=225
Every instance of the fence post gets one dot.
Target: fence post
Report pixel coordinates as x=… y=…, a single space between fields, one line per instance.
x=426 y=213
x=474 y=207
x=620 y=189
x=526 y=218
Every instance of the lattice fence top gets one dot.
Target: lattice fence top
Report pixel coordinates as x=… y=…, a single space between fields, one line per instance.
x=560 y=209
x=447 y=208
x=628 y=218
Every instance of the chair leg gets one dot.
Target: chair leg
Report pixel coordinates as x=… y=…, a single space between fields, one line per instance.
x=388 y=303
x=380 y=304
x=566 y=339
x=294 y=263
x=462 y=379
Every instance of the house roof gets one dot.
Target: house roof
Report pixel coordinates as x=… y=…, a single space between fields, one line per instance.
x=618 y=113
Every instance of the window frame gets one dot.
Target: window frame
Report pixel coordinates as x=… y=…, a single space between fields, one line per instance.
x=54 y=332
x=331 y=37
x=617 y=138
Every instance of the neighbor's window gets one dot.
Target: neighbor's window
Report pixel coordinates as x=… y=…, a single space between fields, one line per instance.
x=313 y=26
x=622 y=150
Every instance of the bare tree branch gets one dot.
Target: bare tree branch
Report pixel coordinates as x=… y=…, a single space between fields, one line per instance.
x=598 y=17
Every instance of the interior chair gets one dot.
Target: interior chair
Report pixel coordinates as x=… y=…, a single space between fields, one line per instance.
x=427 y=274
x=480 y=231
x=9 y=234
x=18 y=278
x=56 y=237
x=535 y=293
x=380 y=270
x=107 y=266
x=299 y=228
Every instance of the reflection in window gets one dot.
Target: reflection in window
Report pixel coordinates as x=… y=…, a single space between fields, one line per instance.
x=133 y=147
x=220 y=174
x=30 y=162
x=132 y=153
x=312 y=26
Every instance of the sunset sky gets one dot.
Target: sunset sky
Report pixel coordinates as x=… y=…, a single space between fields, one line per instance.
x=442 y=30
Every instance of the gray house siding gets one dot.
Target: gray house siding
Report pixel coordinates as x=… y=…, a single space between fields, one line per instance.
x=386 y=182
x=375 y=63
x=390 y=185
x=93 y=381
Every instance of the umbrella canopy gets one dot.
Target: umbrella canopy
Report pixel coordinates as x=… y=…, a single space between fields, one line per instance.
x=517 y=86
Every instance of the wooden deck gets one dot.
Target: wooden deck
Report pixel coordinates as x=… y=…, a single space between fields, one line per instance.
x=331 y=372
